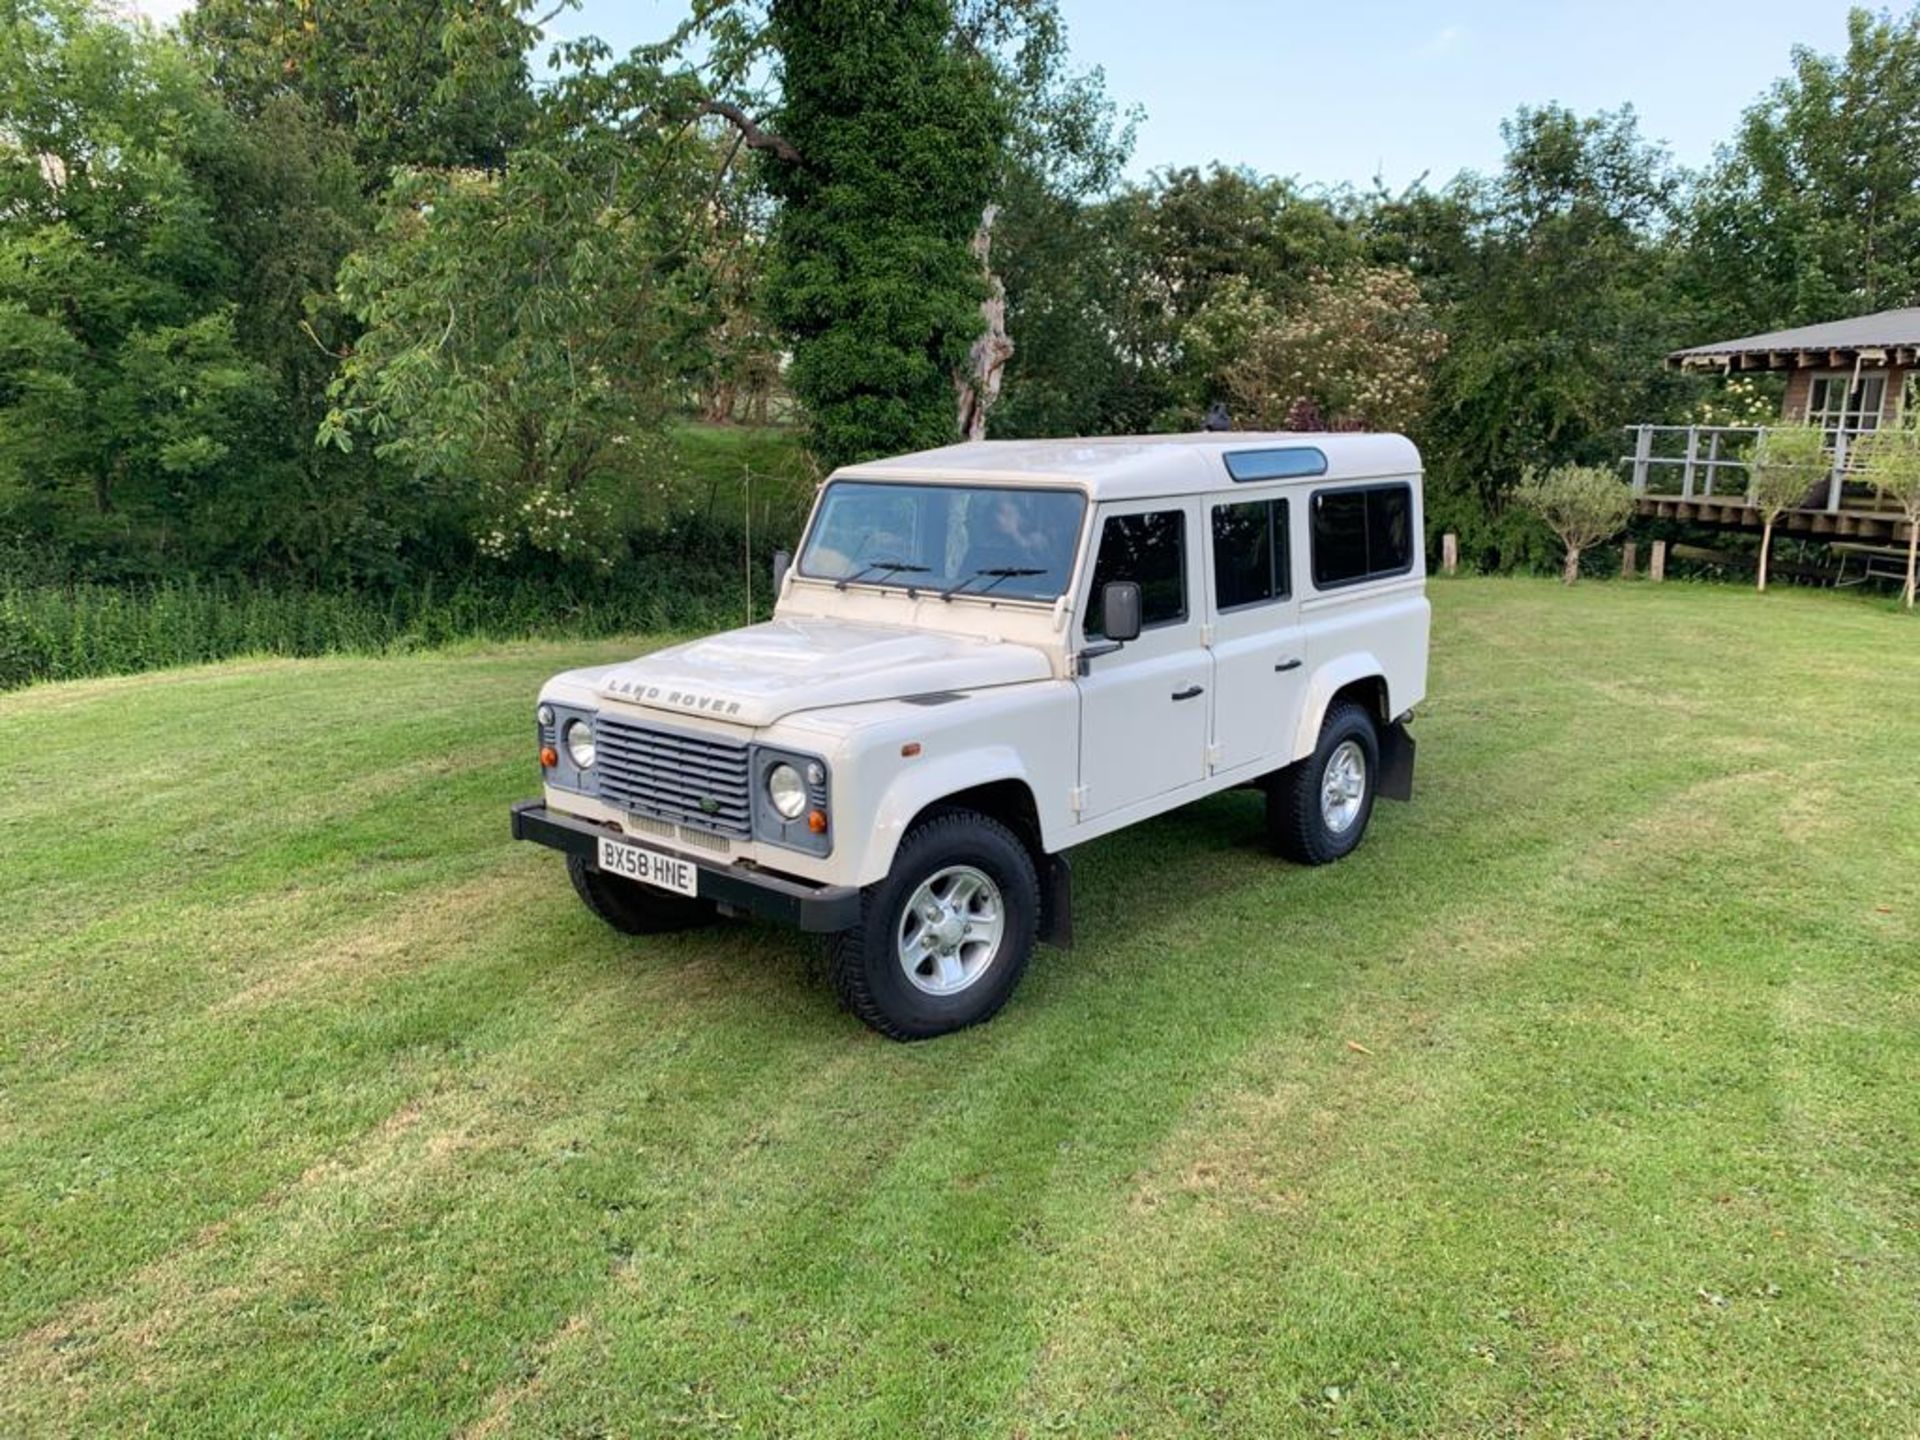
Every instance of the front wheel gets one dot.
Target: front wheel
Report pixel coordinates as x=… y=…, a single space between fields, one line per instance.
x=945 y=937
x=1317 y=809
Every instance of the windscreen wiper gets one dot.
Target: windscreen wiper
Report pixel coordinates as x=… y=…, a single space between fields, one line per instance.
x=890 y=567
x=998 y=572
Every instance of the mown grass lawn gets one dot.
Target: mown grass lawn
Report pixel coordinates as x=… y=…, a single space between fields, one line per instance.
x=1585 y=1099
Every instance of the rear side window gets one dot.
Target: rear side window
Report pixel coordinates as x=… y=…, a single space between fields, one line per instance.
x=1249 y=553
x=1361 y=534
x=1151 y=551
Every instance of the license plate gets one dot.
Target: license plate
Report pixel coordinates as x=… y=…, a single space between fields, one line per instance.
x=649 y=867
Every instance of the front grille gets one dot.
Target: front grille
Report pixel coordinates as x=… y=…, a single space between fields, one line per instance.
x=675 y=775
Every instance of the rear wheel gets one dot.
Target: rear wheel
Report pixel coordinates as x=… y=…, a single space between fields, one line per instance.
x=945 y=937
x=633 y=908
x=1318 y=809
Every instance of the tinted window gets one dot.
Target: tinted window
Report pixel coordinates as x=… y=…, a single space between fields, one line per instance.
x=1358 y=534
x=1249 y=553
x=1149 y=550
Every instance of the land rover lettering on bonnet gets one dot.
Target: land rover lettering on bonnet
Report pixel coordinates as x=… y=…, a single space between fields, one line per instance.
x=982 y=657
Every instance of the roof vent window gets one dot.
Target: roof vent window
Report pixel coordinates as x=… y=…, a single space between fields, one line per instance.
x=1293 y=463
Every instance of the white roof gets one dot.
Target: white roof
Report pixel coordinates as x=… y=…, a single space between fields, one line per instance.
x=1122 y=467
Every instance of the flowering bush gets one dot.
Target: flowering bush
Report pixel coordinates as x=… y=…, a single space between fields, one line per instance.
x=1739 y=400
x=1356 y=352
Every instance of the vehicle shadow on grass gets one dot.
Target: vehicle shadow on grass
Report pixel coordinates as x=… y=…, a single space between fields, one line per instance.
x=1190 y=856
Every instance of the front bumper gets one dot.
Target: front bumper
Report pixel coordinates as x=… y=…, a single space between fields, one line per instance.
x=820 y=908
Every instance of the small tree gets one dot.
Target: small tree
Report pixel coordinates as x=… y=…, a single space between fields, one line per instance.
x=1890 y=461
x=1582 y=504
x=1786 y=464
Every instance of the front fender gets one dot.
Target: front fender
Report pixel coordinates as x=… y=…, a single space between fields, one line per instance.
x=923 y=783
x=1328 y=681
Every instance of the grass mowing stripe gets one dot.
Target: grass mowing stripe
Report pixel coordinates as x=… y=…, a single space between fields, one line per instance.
x=1639 y=941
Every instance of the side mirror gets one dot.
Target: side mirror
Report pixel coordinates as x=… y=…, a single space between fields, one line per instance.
x=1120 y=610
x=782 y=559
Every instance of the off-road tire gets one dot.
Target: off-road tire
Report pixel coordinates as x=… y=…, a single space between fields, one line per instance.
x=1296 y=823
x=633 y=908
x=864 y=962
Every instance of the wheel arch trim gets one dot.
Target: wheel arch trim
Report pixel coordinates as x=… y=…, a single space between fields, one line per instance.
x=1353 y=668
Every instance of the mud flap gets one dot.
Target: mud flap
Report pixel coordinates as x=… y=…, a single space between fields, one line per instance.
x=1396 y=762
x=1056 y=901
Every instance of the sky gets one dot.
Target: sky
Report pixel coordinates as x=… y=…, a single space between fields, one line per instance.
x=1339 y=93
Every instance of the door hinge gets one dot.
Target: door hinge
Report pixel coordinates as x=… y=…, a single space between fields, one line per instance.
x=1077 y=799
x=1206 y=634
x=1213 y=757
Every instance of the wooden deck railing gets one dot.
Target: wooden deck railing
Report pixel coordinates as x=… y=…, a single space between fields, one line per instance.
x=1693 y=462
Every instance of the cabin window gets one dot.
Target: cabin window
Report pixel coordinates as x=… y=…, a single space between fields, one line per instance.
x=1249 y=553
x=1839 y=403
x=1361 y=534
x=1151 y=551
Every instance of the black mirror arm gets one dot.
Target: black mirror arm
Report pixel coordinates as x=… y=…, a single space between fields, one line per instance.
x=1094 y=652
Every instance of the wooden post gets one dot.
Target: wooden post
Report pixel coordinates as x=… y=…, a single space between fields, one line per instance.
x=1629 y=552
x=1642 y=449
x=1837 y=486
x=1713 y=462
x=1657 y=566
x=1449 y=553
x=1693 y=454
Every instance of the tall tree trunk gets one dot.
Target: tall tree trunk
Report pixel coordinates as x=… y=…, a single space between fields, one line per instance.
x=1913 y=554
x=1766 y=550
x=978 y=386
x=1571 y=572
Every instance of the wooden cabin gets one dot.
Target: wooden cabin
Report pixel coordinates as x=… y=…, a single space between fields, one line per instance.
x=1850 y=377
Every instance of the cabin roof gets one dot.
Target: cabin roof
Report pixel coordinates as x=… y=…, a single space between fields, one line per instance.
x=1123 y=467
x=1883 y=330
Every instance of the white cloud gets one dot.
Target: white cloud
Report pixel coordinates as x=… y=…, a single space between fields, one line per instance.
x=1442 y=42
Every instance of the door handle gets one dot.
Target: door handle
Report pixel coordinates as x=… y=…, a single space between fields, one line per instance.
x=1189 y=692
x=1293 y=664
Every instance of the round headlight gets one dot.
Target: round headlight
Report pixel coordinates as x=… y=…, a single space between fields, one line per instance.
x=787 y=791
x=544 y=715
x=578 y=738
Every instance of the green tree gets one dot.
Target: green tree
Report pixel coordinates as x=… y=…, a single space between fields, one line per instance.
x=129 y=412
x=1583 y=505
x=519 y=337
x=1813 y=212
x=1558 y=308
x=1891 y=464
x=891 y=139
x=410 y=82
x=1356 y=348
x=1789 y=461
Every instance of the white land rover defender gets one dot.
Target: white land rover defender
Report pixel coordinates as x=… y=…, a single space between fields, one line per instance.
x=983 y=656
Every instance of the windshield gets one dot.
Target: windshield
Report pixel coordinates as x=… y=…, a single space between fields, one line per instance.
x=1017 y=544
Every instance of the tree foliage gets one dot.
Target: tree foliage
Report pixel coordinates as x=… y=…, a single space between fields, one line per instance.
x=1357 y=349
x=427 y=83
x=1581 y=504
x=899 y=133
x=1813 y=212
x=1890 y=463
x=1789 y=461
x=130 y=410
x=367 y=221
x=517 y=349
